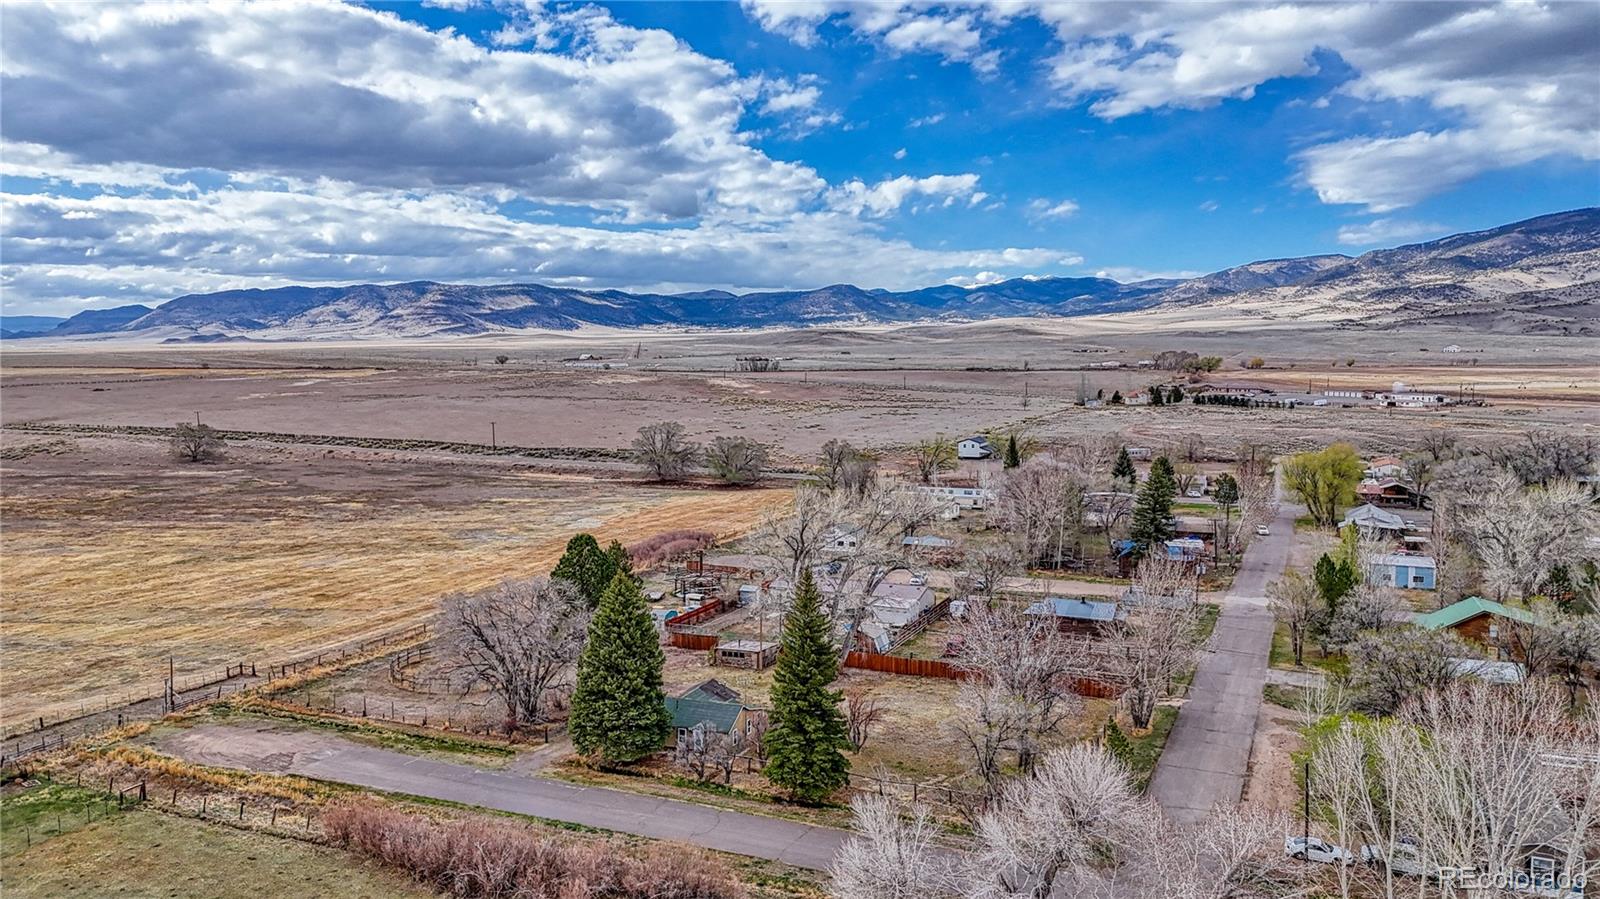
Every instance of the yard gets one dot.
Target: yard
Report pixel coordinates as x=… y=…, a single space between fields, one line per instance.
x=117 y=558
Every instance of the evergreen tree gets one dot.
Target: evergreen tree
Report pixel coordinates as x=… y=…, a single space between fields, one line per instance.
x=1152 y=511
x=619 y=713
x=617 y=555
x=1123 y=471
x=1116 y=397
x=1157 y=396
x=587 y=566
x=1334 y=578
x=1116 y=742
x=1175 y=395
x=1013 y=456
x=807 y=736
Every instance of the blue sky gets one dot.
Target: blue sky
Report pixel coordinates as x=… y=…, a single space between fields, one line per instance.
x=150 y=152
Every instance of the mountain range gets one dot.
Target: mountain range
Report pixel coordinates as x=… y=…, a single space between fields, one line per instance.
x=1541 y=274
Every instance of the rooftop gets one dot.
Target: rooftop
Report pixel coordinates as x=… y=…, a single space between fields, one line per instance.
x=688 y=713
x=1077 y=609
x=1468 y=609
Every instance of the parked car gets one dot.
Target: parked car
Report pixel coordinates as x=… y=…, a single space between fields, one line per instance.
x=1404 y=860
x=1262 y=530
x=1317 y=850
x=1195 y=493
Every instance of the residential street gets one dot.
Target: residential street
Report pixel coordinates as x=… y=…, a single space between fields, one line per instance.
x=309 y=753
x=1208 y=752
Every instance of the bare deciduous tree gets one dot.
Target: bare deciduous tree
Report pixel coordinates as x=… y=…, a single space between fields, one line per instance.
x=736 y=460
x=521 y=638
x=1160 y=639
x=707 y=752
x=664 y=452
x=196 y=443
x=862 y=714
x=1545 y=458
x=893 y=855
x=1029 y=660
x=934 y=457
x=1389 y=667
x=1076 y=810
x=1296 y=605
x=1520 y=533
x=987 y=568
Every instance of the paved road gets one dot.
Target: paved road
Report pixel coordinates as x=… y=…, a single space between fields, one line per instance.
x=1208 y=752
x=276 y=749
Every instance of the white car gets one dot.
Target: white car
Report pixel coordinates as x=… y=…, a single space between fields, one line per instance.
x=1195 y=493
x=1404 y=860
x=1262 y=530
x=1317 y=851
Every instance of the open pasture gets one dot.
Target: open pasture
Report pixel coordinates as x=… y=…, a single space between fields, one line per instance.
x=114 y=557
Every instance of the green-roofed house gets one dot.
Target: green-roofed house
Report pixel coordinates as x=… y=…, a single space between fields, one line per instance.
x=689 y=712
x=1477 y=619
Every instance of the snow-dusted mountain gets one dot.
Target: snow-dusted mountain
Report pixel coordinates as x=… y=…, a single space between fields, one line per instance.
x=1546 y=270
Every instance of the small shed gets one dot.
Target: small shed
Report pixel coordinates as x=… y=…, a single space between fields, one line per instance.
x=753 y=654
x=1079 y=616
x=1407 y=572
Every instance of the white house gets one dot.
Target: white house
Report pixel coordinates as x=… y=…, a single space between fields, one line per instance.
x=1453 y=348
x=838 y=537
x=1373 y=520
x=896 y=605
x=974 y=448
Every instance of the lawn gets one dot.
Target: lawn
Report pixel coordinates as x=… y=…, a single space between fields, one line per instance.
x=146 y=853
x=1283 y=655
x=1144 y=751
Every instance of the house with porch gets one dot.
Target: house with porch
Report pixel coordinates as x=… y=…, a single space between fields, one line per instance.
x=1482 y=621
x=1373 y=521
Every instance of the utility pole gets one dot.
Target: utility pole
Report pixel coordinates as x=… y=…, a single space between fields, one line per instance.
x=197 y=419
x=1305 y=817
x=493 y=443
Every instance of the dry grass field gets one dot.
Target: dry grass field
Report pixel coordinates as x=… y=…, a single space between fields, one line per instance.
x=114 y=557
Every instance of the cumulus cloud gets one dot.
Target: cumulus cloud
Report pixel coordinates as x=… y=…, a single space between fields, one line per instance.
x=213 y=147
x=1515 y=81
x=1209 y=206
x=1384 y=232
x=1041 y=209
x=858 y=198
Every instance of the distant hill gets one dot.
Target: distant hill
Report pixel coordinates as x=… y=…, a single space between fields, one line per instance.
x=23 y=325
x=1548 y=264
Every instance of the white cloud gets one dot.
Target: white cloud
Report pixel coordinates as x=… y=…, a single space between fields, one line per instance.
x=1042 y=209
x=1386 y=232
x=900 y=153
x=1510 y=82
x=925 y=121
x=319 y=143
x=1209 y=206
x=977 y=280
x=885 y=197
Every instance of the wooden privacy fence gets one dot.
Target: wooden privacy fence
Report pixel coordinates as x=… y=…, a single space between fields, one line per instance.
x=691 y=640
x=873 y=661
x=709 y=610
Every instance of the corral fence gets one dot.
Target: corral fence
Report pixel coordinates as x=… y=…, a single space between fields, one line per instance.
x=1093 y=687
x=388 y=711
x=43 y=735
x=687 y=632
x=429 y=685
x=306 y=662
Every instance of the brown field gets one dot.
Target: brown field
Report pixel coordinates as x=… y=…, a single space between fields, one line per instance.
x=115 y=557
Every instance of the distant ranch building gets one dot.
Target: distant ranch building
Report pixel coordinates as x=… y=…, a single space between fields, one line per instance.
x=974 y=448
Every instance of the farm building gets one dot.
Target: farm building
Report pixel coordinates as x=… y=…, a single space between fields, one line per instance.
x=1406 y=572
x=838 y=537
x=974 y=448
x=1079 y=616
x=1348 y=394
x=926 y=542
x=753 y=654
x=1477 y=619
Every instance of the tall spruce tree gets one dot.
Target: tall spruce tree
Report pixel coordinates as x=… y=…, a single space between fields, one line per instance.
x=587 y=566
x=1152 y=511
x=617 y=555
x=807 y=737
x=1123 y=471
x=619 y=713
x=1013 y=455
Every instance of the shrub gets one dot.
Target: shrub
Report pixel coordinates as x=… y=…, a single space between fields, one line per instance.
x=475 y=857
x=667 y=545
